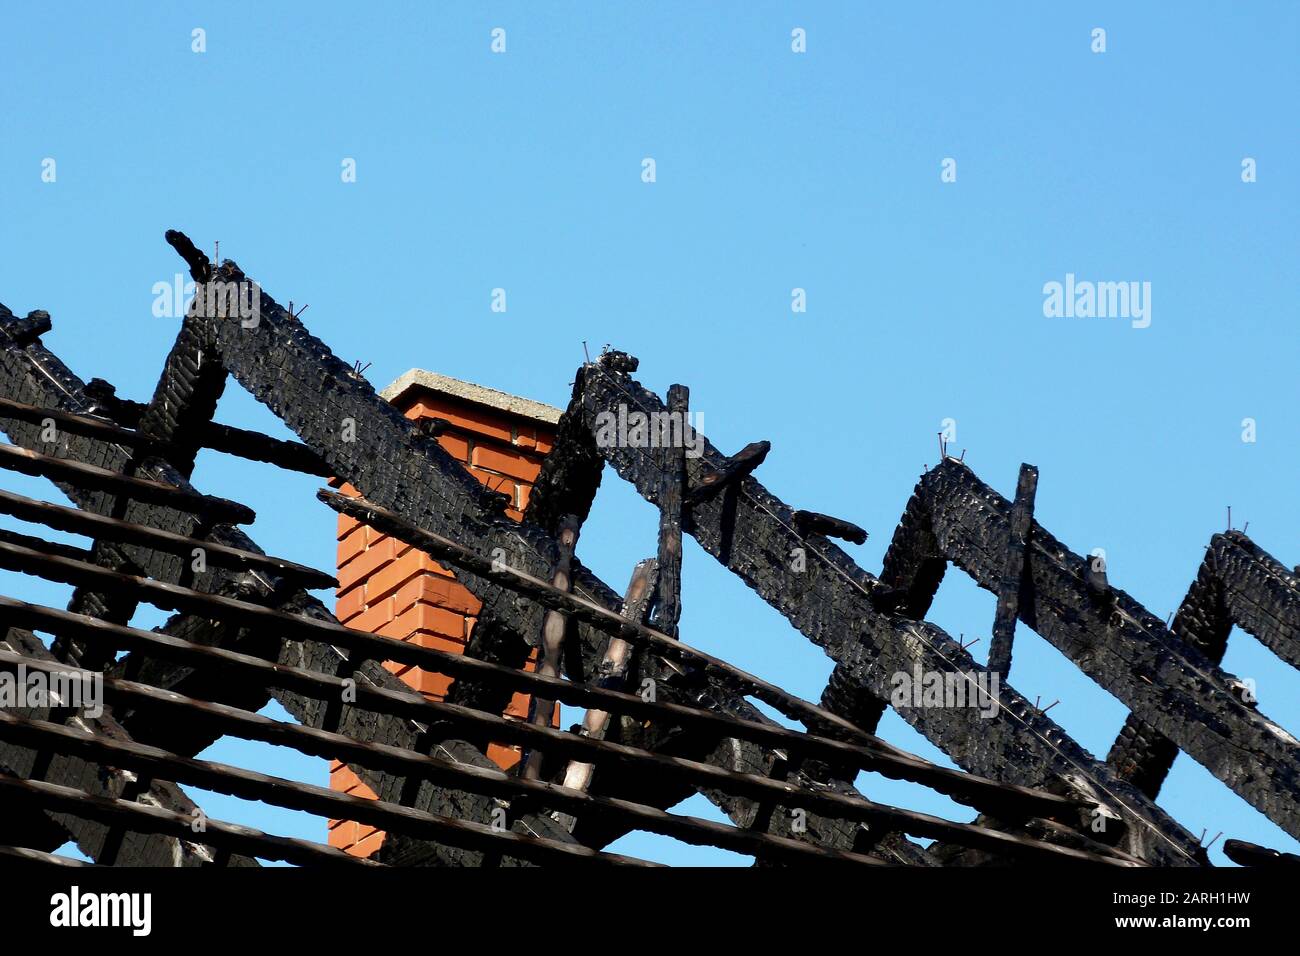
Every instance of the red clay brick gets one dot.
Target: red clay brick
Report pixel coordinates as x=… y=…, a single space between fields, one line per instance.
x=443 y=592
x=351 y=546
x=508 y=462
x=438 y=642
x=431 y=685
x=373 y=617
x=504 y=756
x=350 y=604
x=368 y=845
x=343 y=835
x=366 y=564
x=347 y=524
x=455 y=445
x=466 y=418
x=425 y=618
x=398 y=572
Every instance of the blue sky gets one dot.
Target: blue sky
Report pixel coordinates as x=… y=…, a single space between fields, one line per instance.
x=774 y=171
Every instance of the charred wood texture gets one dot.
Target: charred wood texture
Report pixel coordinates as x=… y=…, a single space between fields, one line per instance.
x=91 y=836
x=813 y=522
x=570 y=474
x=830 y=600
x=33 y=375
x=728 y=472
x=316 y=394
x=1013 y=577
x=1164 y=680
x=669 y=601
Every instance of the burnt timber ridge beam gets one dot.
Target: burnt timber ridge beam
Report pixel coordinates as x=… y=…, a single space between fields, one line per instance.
x=1237 y=583
x=136 y=849
x=32 y=374
x=568 y=482
x=750 y=531
x=252 y=726
x=1119 y=644
x=313 y=392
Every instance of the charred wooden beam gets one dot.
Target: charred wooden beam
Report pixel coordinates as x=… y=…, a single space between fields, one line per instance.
x=1122 y=646
x=76 y=521
x=26 y=855
x=277 y=791
x=701 y=773
x=227 y=439
x=92 y=837
x=394 y=818
x=728 y=472
x=1259 y=594
x=144 y=818
x=668 y=609
x=28 y=462
x=1013 y=575
x=978 y=792
x=570 y=473
x=54 y=419
x=200 y=267
x=34 y=375
x=1252 y=854
x=1237 y=583
x=282 y=365
x=832 y=601
x=36 y=324
x=588 y=612
x=812 y=522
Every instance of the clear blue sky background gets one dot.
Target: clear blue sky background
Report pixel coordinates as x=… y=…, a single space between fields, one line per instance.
x=775 y=170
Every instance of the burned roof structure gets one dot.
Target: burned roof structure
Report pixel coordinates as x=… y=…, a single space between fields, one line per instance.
x=245 y=630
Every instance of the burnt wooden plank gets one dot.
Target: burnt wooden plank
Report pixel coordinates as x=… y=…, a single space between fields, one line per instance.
x=669 y=603
x=728 y=472
x=1013 y=575
x=814 y=522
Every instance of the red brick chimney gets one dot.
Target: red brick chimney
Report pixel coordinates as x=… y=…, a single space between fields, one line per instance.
x=387 y=588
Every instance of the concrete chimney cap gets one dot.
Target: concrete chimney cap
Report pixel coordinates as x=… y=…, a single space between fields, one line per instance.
x=418 y=379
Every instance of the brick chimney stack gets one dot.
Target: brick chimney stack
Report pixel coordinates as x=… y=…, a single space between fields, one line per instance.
x=389 y=589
